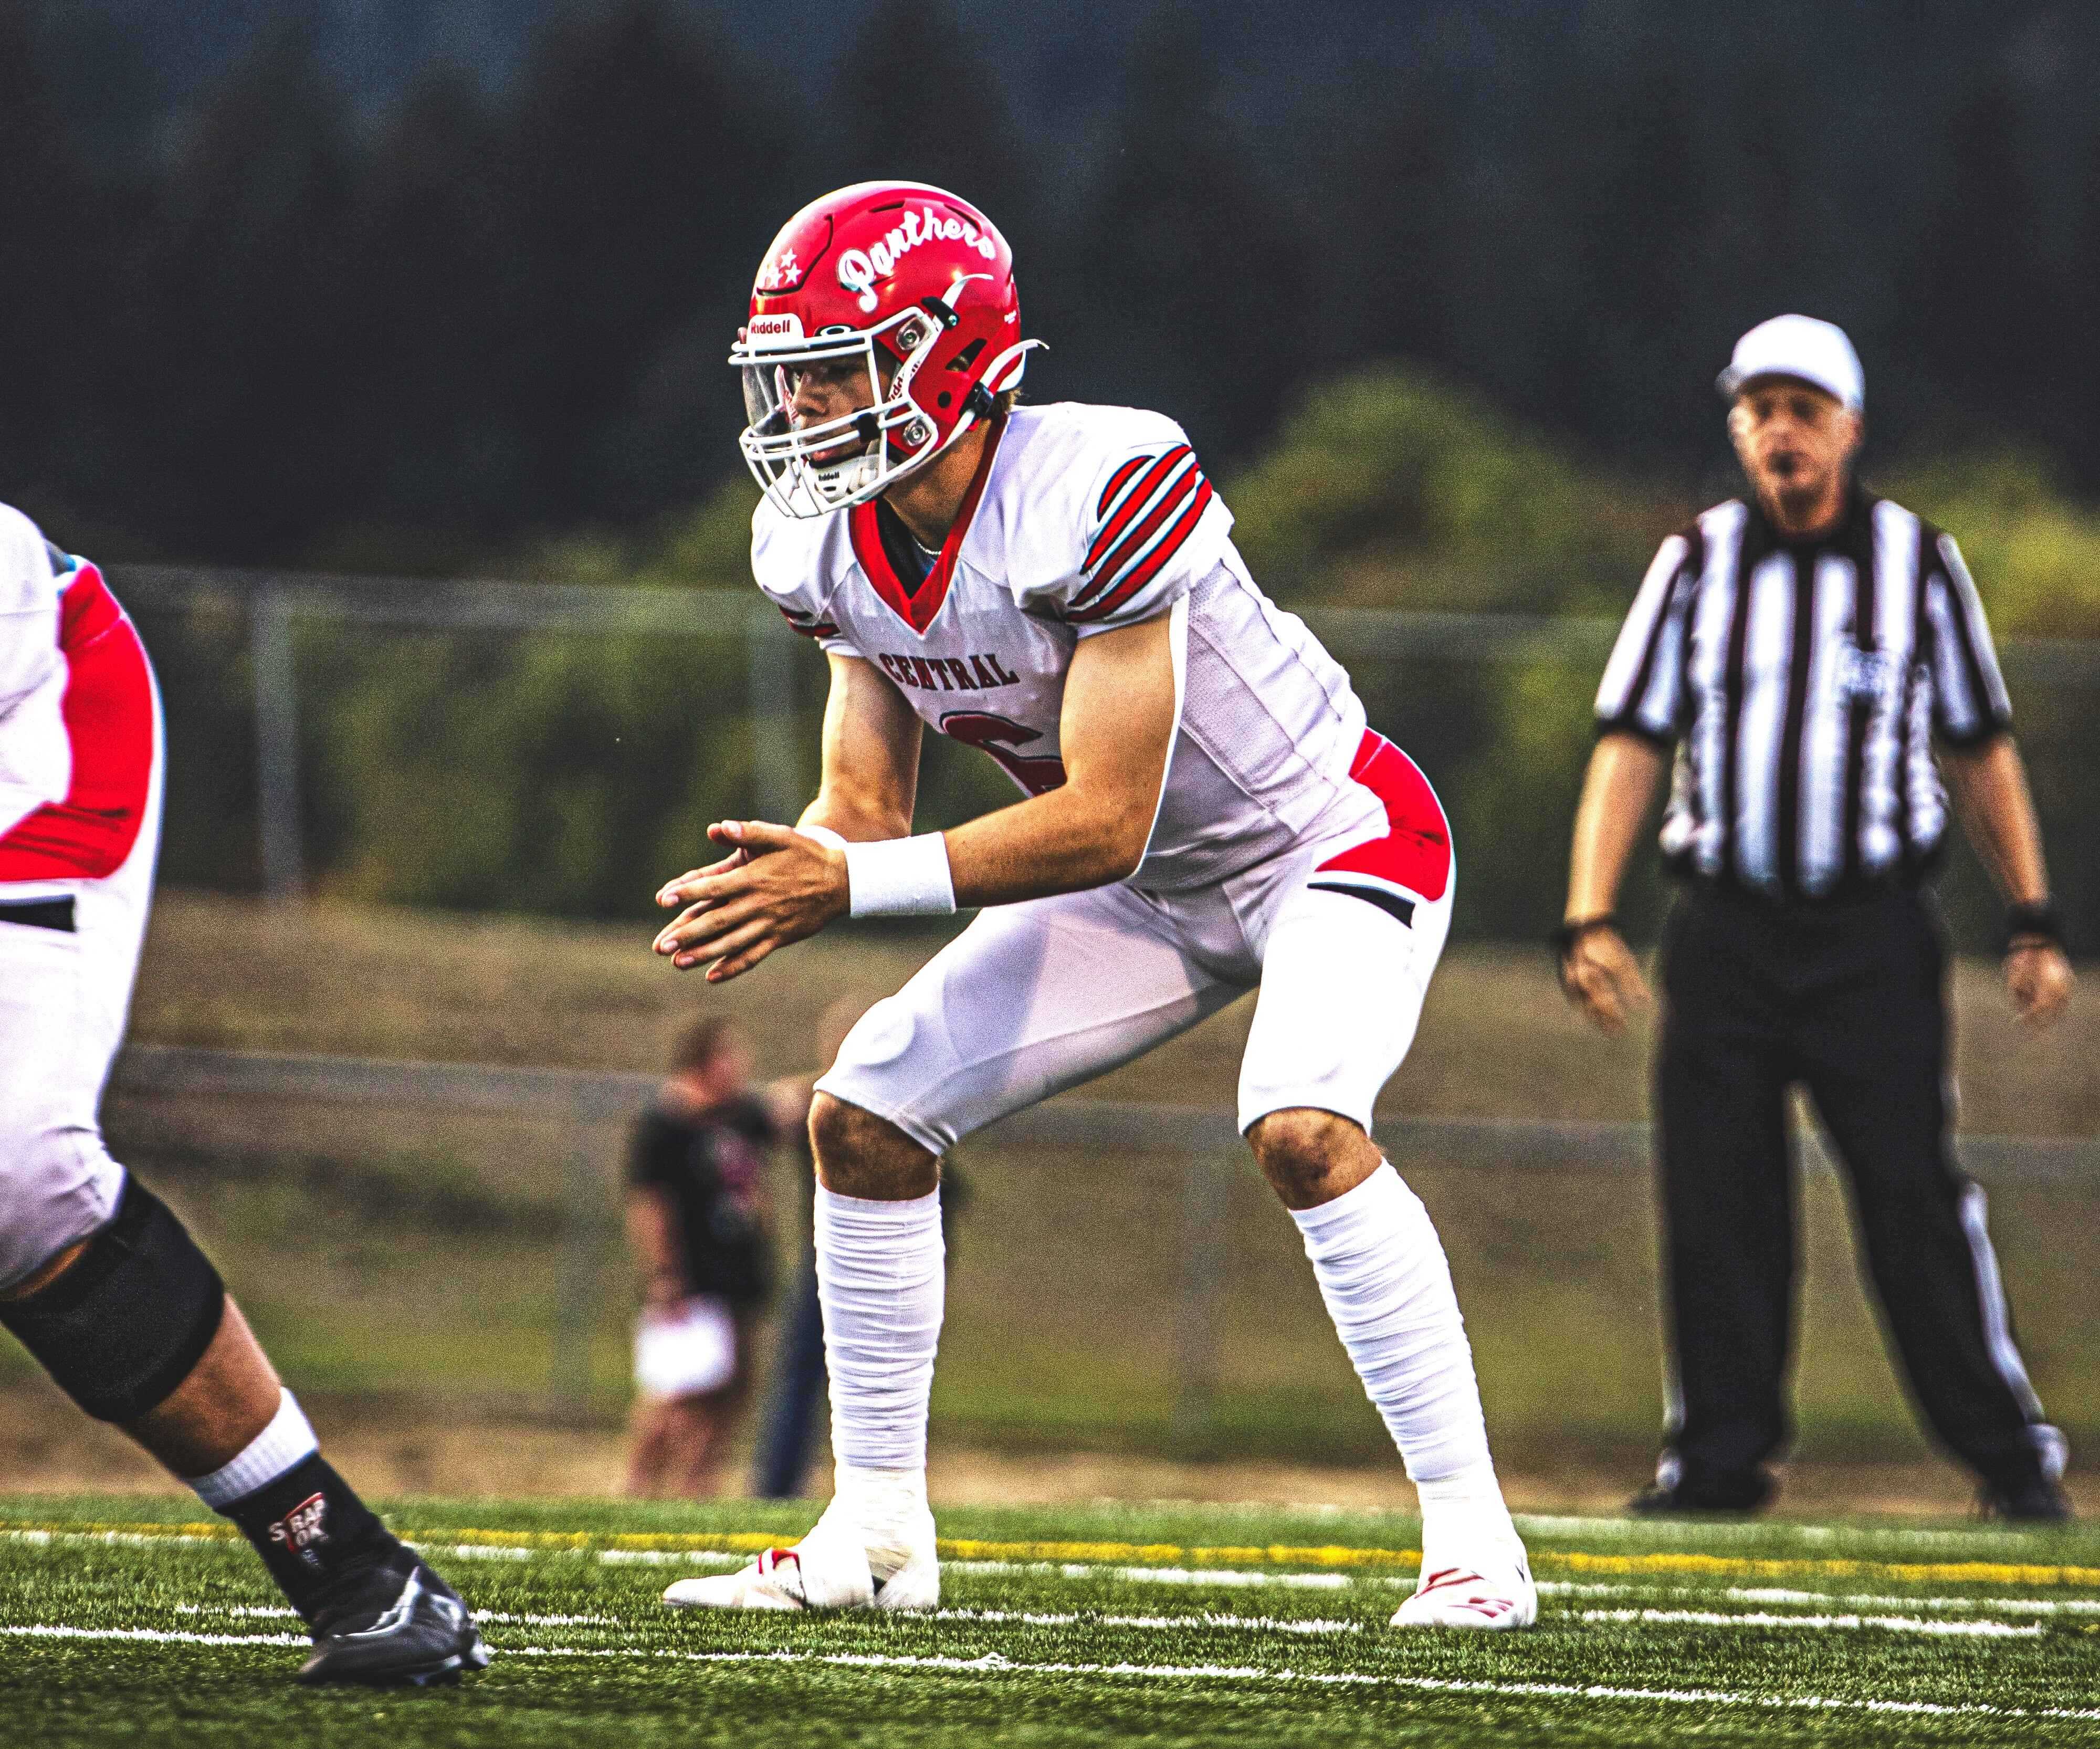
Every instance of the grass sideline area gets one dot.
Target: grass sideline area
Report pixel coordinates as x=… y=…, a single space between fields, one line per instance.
x=418 y=1255
x=128 y=1621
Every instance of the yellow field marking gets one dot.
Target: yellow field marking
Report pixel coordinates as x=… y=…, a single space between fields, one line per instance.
x=213 y=1529
x=1327 y=1556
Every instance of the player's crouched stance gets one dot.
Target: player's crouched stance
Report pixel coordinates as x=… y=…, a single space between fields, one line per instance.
x=99 y=1279
x=1206 y=811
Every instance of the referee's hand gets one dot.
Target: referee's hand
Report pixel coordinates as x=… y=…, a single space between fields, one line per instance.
x=1600 y=976
x=2038 y=978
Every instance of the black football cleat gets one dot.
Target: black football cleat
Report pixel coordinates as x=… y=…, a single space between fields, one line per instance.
x=396 y=1629
x=2034 y=1501
x=1725 y=1496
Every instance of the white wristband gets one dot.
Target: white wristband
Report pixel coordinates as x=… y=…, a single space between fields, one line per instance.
x=901 y=878
x=824 y=835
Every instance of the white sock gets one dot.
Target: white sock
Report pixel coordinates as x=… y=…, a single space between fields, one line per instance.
x=880 y=1277
x=289 y=1440
x=1382 y=1274
x=886 y=1510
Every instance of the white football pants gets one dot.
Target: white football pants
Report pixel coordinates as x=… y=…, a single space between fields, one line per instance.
x=1037 y=997
x=63 y=1000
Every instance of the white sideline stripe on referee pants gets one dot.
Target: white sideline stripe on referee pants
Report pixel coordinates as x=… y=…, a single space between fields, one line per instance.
x=992 y=1664
x=1991 y=1293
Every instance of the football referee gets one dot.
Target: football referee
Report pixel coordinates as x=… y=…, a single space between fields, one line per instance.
x=1813 y=663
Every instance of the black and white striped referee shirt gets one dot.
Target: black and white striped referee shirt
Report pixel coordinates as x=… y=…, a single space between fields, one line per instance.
x=1802 y=683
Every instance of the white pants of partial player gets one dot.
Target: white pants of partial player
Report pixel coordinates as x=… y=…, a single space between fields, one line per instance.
x=64 y=996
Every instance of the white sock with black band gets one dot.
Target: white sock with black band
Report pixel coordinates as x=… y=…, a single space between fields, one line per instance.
x=1382 y=1272
x=881 y=1276
x=285 y=1442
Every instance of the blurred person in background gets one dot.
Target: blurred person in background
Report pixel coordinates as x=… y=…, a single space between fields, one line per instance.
x=696 y=1217
x=1816 y=661
x=100 y=1280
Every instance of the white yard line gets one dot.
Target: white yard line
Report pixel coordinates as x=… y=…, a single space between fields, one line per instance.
x=1223 y=1621
x=992 y=1663
x=1225 y=1577
x=1850 y=1601
x=1206 y=1618
x=150 y=1635
x=1173 y=1575
x=266 y=1612
x=1887 y=1623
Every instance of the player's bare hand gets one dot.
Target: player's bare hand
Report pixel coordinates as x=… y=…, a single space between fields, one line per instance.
x=1601 y=976
x=668 y=896
x=2038 y=978
x=776 y=887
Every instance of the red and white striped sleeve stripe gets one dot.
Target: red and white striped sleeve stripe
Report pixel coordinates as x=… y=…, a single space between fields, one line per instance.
x=1149 y=508
x=809 y=624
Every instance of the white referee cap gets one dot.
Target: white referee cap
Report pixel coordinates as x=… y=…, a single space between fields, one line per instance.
x=1798 y=346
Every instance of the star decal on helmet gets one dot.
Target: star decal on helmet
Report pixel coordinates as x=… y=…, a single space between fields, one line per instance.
x=780 y=273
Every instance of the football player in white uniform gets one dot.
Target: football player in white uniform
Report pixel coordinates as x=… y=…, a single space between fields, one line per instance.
x=99 y=1279
x=1204 y=811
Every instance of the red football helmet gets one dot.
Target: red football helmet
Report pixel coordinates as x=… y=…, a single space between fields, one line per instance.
x=906 y=282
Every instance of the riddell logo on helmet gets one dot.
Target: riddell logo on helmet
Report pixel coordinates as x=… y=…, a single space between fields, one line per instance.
x=785 y=326
x=859 y=269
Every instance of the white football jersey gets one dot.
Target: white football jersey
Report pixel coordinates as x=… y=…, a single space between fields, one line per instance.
x=1081 y=520
x=36 y=761
x=79 y=720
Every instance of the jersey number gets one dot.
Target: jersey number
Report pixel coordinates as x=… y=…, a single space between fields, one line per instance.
x=999 y=736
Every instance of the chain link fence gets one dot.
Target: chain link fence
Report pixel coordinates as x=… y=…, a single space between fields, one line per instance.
x=552 y=747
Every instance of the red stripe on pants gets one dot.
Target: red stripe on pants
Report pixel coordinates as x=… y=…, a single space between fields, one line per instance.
x=1415 y=853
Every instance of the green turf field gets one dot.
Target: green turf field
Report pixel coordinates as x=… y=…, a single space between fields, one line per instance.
x=125 y=1621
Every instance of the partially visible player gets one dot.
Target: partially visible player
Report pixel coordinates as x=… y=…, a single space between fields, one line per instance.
x=99 y=1279
x=1206 y=811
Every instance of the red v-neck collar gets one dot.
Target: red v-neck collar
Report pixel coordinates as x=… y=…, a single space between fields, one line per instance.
x=920 y=607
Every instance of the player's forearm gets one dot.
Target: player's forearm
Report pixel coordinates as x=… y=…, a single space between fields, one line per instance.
x=858 y=817
x=1064 y=841
x=1997 y=811
x=1623 y=774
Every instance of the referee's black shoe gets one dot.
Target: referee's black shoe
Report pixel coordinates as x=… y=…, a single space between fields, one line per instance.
x=395 y=1625
x=2035 y=1500
x=1705 y=1495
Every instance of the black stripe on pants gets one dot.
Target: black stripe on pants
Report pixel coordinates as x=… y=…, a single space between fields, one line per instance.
x=1848 y=999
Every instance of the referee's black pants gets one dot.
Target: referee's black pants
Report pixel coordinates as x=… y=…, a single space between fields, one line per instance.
x=1847 y=998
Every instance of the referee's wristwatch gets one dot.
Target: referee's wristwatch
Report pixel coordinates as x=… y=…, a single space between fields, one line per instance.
x=2038 y=925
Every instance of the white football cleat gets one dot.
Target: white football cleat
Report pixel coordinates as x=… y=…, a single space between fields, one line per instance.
x=800 y=1578
x=827 y=1569
x=1461 y=1597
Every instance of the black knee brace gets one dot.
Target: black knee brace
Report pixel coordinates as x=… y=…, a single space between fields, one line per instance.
x=125 y=1325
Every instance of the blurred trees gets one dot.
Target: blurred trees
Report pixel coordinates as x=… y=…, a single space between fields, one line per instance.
x=1186 y=280
x=274 y=328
